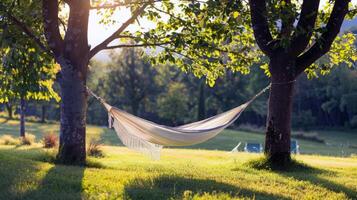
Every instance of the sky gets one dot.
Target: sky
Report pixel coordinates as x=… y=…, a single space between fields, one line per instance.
x=98 y=32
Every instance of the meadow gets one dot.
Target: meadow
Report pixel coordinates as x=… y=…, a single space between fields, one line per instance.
x=206 y=171
x=337 y=143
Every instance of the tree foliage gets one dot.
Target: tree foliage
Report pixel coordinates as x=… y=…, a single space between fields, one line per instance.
x=25 y=71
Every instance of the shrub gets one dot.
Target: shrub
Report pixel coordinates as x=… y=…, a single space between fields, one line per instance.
x=50 y=140
x=94 y=148
x=9 y=140
x=29 y=139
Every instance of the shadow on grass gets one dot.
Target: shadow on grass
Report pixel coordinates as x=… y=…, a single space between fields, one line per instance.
x=175 y=187
x=312 y=175
x=303 y=172
x=60 y=182
x=22 y=178
x=14 y=173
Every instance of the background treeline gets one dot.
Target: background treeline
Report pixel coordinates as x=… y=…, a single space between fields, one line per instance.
x=166 y=95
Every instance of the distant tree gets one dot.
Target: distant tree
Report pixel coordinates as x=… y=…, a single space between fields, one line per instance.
x=25 y=73
x=9 y=107
x=130 y=80
x=173 y=104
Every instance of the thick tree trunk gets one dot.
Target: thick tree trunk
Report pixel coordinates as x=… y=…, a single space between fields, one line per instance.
x=22 y=116
x=72 y=53
x=72 y=149
x=43 y=113
x=9 y=110
x=277 y=141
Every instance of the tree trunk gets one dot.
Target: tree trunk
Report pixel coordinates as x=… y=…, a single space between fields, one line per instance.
x=201 y=114
x=72 y=53
x=43 y=113
x=278 y=132
x=22 y=116
x=277 y=140
x=72 y=147
x=9 y=110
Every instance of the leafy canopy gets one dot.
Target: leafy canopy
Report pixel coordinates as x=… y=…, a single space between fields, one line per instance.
x=25 y=71
x=209 y=37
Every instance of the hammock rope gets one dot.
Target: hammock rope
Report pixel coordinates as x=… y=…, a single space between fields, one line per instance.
x=149 y=138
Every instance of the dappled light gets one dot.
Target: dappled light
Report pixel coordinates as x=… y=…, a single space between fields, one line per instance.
x=178 y=99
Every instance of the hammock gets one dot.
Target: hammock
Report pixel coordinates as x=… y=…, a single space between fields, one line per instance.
x=149 y=138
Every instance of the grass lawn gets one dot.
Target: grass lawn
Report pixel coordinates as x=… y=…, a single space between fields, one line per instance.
x=338 y=142
x=180 y=174
x=201 y=173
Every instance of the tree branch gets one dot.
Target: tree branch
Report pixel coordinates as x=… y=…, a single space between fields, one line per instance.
x=120 y=4
x=51 y=26
x=114 y=36
x=305 y=26
x=323 y=44
x=28 y=32
x=287 y=24
x=135 y=45
x=260 y=26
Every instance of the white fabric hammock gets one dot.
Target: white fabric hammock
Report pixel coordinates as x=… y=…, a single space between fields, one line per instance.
x=149 y=138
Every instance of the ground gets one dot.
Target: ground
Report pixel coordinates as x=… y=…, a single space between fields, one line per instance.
x=27 y=172
x=338 y=143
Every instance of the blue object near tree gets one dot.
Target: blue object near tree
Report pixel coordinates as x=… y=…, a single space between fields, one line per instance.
x=253 y=147
x=294 y=147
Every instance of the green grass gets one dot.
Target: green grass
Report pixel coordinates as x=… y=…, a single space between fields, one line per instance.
x=180 y=174
x=28 y=172
x=338 y=141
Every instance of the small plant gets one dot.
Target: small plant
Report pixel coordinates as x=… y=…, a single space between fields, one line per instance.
x=94 y=148
x=50 y=140
x=29 y=139
x=9 y=140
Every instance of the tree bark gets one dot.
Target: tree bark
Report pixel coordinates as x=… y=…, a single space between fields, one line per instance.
x=277 y=139
x=43 y=113
x=72 y=53
x=201 y=114
x=9 y=110
x=72 y=148
x=22 y=116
